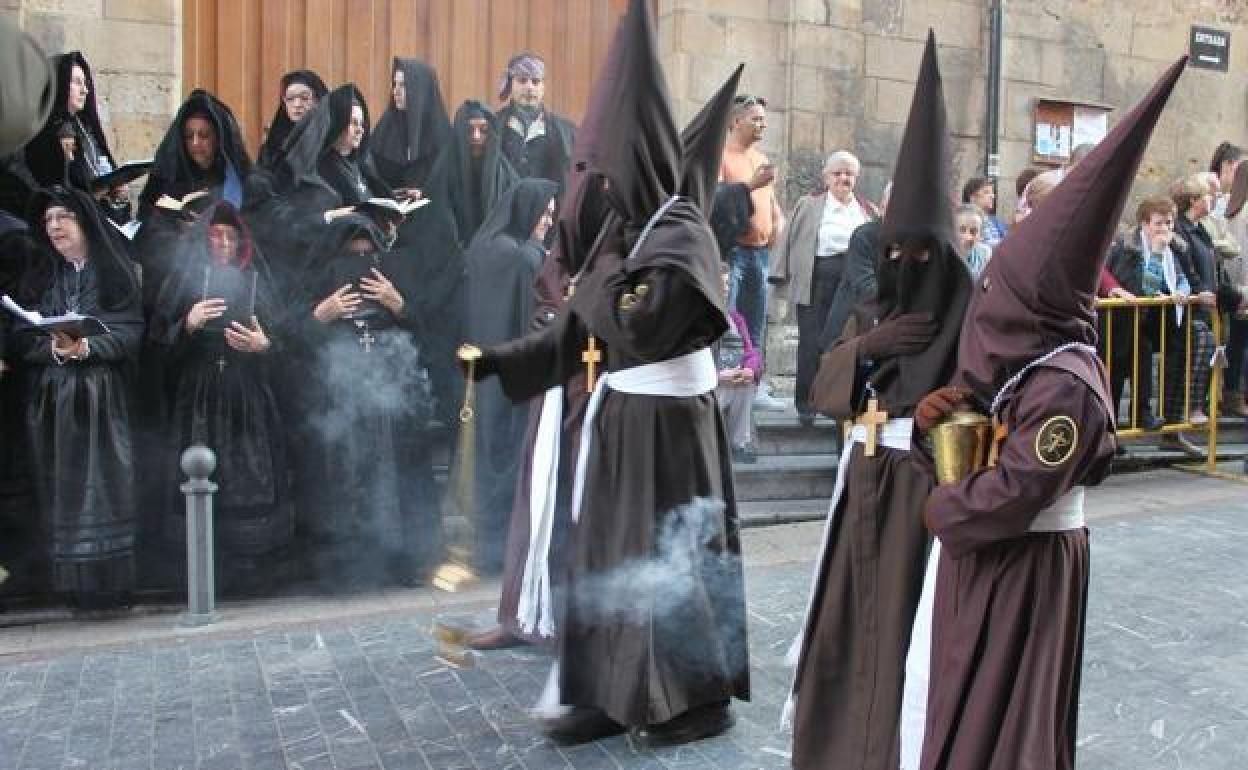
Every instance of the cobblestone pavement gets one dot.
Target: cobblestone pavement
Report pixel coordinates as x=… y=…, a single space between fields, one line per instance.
x=1165 y=678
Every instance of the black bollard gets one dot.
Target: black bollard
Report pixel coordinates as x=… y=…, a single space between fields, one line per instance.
x=198 y=463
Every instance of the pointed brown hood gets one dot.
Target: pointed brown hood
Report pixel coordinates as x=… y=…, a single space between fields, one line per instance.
x=1038 y=291
x=635 y=143
x=703 y=140
x=918 y=209
x=920 y=218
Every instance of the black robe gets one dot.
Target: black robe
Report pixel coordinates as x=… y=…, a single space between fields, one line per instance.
x=655 y=619
x=223 y=399
x=365 y=408
x=78 y=417
x=502 y=267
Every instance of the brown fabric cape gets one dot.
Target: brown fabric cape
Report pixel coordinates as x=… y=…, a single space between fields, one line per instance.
x=850 y=671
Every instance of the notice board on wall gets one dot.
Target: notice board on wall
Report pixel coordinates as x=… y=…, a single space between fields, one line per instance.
x=1059 y=126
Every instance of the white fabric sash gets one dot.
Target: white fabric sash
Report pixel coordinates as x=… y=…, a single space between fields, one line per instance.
x=1066 y=513
x=692 y=374
x=535 y=609
x=894 y=434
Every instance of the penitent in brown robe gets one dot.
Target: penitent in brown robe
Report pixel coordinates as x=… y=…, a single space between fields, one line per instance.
x=640 y=654
x=1008 y=615
x=1012 y=578
x=849 y=679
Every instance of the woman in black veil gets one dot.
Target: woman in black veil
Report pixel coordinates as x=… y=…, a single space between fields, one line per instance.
x=214 y=323
x=503 y=263
x=413 y=130
x=78 y=402
x=301 y=92
x=367 y=404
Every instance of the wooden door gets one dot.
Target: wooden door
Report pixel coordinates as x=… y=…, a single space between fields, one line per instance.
x=239 y=49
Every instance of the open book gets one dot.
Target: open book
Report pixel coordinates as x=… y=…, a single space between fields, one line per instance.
x=169 y=203
x=383 y=205
x=73 y=325
x=123 y=174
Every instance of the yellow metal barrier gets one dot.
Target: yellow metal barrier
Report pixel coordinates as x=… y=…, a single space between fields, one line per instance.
x=1109 y=310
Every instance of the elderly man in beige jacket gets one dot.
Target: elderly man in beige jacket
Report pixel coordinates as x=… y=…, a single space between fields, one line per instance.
x=810 y=258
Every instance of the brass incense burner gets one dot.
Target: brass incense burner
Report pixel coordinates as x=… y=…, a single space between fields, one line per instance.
x=961 y=444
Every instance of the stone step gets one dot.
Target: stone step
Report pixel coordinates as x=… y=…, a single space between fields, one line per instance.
x=786 y=477
x=765 y=513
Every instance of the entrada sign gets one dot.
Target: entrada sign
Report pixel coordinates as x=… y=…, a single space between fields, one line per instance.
x=1210 y=48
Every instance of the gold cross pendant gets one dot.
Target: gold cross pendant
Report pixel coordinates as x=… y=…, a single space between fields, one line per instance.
x=872 y=420
x=591 y=358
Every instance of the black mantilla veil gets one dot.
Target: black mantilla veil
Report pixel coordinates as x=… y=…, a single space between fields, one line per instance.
x=175 y=174
x=920 y=220
x=281 y=125
x=407 y=142
x=518 y=212
x=44 y=157
x=467 y=190
x=118 y=280
x=309 y=157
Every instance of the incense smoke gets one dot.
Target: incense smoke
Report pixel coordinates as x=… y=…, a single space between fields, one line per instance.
x=690 y=593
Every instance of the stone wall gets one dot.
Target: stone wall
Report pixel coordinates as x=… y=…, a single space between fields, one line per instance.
x=839 y=74
x=133 y=47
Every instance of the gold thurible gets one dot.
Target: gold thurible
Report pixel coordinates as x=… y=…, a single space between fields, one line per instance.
x=960 y=445
x=457 y=574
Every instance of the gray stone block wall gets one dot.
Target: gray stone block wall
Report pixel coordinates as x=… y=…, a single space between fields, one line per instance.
x=839 y=74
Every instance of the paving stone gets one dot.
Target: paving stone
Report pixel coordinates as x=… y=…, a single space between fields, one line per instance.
x=1165 y=681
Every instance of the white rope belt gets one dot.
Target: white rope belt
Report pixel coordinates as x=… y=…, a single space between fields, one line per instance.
x=692 y=374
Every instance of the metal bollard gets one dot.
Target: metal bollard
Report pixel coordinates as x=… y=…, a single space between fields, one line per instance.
x=198 y=463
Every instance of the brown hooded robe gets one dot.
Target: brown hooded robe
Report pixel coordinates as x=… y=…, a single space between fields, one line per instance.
x=848 y=684
x=655 y=617
x=1009 y=604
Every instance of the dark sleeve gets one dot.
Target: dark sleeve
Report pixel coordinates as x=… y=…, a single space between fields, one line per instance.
x=125 y=335
x=1000 y=503
x=1125 y=267
x=668 y=313
x=838 y=383
x=1189 y=264
x=858 y=283
x=539 y=361
x=34 y=347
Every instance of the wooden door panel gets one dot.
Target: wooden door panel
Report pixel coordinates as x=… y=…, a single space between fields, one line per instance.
x=239 y=49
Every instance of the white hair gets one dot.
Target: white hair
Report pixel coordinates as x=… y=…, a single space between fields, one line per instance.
x=842 y=156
